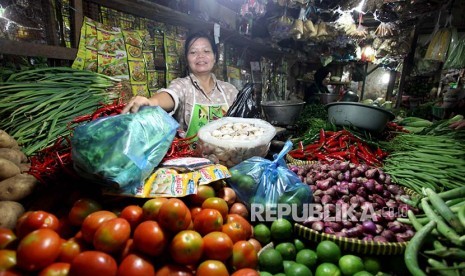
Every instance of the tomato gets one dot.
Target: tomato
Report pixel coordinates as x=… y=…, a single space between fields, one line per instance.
x=38 y=249
x=208 y=220
x=150 y=238
x=55 y=269
x=218 y=204
x=235 y=231
x=93 y=263
x=127 y=249
x=195 y=211
x=81 y=209
x=7 y=259
x=133 y=214
x=33 y=220
x=186 y=247
x=174 y=215
x=256 y=244
x=11 y=272
x=212 y=267
x=93 y=221
x=248 y=228
x=112 y=235
x=7 y=238
x=217 y=246
x=70 y=249
x=246 y=272
x=244 y=256
x=152 y=206
x=203 y=192
x=135 y=264
x=174 y=270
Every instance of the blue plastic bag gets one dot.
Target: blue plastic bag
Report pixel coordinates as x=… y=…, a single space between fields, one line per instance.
x=121 y=151
x=270 y=187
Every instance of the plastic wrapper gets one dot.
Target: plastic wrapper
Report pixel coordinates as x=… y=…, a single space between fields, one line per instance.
x=121 y=151
x=264 y=185
x=244 y=105
x=456 y=56
x=251 y=137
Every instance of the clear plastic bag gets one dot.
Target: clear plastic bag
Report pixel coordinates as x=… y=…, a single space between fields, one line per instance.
x=121 y=151
x=244 y=105
x=264 y=185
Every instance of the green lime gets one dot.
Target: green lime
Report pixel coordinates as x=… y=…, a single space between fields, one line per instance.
x=262 y=233
x=363 y=273
x=281 y=229
x=270 y=260
x=265 y=273
x=287 y=250
x=303 y=193
x=350 y=264
x=287 y=264
x=306 y=257
x=290 y=200
x=299 y=244
x=235 y=174
x=328 y=251
x=297 y=269
x=246 y=184
x=327 y=269
x=279 y=274
x=372 y=264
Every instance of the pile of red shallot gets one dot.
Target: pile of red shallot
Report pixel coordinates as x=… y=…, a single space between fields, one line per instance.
x=371 y=202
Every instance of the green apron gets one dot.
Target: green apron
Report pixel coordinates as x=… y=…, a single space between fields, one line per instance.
x=205 y=113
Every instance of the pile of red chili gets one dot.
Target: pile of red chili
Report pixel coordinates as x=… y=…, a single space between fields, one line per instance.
x=339 y=145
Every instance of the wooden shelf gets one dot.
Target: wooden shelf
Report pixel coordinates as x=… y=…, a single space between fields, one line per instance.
x=21 y=48
x=138 y=8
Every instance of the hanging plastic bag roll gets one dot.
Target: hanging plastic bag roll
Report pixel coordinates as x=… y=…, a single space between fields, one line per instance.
x=264 y=184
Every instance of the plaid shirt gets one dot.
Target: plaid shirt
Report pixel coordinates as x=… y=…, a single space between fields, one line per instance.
x=182 y=90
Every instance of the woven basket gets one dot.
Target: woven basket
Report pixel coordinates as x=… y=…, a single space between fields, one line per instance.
x=352 y=244
x=291 y=160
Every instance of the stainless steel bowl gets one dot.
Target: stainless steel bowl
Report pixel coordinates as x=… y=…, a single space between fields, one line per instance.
x=326 y=98
x=360 y=115
x=282 y=113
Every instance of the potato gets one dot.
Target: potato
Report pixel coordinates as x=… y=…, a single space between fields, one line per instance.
x=11 y=211
x=8 y=169
x=24 y=167
x=17 y=187
x=6 y=141
x=14 y=155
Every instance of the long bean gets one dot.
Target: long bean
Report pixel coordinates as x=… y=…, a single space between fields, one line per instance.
x=442 y=227
x=414 y=246
x=444 y=210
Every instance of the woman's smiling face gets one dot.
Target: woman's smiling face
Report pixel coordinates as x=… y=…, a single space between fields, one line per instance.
x=200 y=56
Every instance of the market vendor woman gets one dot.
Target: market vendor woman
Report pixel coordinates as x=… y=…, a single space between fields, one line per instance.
x=197 y=98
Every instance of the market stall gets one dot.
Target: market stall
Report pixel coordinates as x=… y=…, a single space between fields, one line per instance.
x=364 y=180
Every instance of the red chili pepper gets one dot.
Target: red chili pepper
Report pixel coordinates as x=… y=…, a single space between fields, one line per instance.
x=365 y=150
x=322 y=137
x=340 y=155
x=353 y=154
x=368 y=159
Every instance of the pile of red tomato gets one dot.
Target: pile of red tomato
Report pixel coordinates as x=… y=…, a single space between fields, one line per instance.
x=201 y=234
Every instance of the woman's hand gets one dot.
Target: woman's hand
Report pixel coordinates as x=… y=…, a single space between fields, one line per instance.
x=135 y=103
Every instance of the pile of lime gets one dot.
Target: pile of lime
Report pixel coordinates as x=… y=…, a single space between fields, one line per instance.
x=292 y=256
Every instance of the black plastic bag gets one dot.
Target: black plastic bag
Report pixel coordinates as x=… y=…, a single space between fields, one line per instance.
x=244 y=105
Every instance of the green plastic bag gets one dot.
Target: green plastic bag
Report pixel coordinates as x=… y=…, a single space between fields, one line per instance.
x=121 y=151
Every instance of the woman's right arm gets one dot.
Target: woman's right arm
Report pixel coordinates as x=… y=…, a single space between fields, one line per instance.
x=161 y=99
